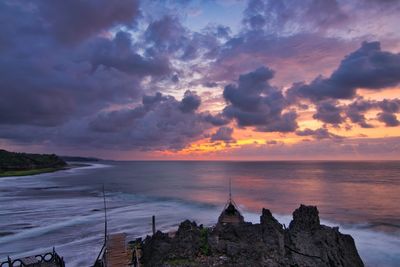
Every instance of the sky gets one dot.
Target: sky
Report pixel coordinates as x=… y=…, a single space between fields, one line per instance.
x=201 y=80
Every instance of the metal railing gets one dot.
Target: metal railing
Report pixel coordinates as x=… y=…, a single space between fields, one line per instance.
x=101 y=260
x=50 y=257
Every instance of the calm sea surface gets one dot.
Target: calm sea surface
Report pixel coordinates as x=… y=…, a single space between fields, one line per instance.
x=64 y=209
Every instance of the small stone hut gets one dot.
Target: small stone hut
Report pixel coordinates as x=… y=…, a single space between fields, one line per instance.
x=230 y=214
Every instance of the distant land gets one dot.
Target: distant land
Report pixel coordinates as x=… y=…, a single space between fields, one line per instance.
x=20 y=164
x=80 y=159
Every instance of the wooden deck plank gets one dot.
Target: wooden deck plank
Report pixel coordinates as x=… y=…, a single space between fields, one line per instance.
x=117 y=254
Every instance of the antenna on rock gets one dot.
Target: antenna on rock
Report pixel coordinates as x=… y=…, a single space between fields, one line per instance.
x=230 y=189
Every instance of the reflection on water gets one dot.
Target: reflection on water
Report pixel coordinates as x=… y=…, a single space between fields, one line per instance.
x=343 y=191
x=64 y=208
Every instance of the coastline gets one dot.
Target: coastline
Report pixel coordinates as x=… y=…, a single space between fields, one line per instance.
x=30 y=172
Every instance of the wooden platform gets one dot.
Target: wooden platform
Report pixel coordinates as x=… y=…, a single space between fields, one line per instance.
x=117 y=254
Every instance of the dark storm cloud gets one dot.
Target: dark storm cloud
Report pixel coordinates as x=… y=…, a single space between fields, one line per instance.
x=45 y=83
x=74 y=20
x=120 y=54
x=149 y=100
x=289 y=55
x=216 y=120
x=210 y=84
x=223 y=134
x=190 y=102
x=254 y=102
x=222 y=31
x=168 y=37
x=158 y=124
x=368 y=67
x=328 y=111
x=71 y=71
x=355 y=112
x=388 y=107
x=389 y=119
x=116 y=121
x=319 y=134
x=285 y=15
x=166 y=34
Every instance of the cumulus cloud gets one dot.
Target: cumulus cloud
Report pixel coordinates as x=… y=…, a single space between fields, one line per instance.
x=54 y=83
x=254 y=102
x=328 y=111
x=319 y=134
x=389 y=119
x=216 y=120
x=390 y=105
x=167 y=36
x=160 y=123
x=355 y=111
x=121 y=55
x=281 y=16
x=84 y=73
x=190 y=102
x=223 y=134
x=368 y=67
x=74 y=20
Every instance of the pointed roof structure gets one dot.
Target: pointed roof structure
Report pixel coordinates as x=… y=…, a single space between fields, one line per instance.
x=230 y=214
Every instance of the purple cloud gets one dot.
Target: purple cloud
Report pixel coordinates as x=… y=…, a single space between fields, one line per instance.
x=389 y=119
x=190 y=102
x=368 y=67
x=75 y=20
x=223 y=134
x=254 y=102
x=121 y=55
x=319 y=134
x=328 y=111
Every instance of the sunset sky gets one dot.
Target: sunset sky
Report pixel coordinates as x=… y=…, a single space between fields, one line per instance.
x=207 y=80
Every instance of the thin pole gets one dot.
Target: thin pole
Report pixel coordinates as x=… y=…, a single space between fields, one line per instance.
x=153 y=220
x=230 y=190
x=105 y=215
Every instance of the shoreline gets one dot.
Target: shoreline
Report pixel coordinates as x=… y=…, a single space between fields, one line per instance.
x=30 y=172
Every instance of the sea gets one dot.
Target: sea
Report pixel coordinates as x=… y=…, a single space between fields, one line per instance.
x=65 y=209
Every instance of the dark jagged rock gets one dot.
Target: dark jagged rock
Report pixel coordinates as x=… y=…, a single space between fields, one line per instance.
x=272 y=232
x=304 y=243
x=306 y=236
x=186 y=243
x=305 y=218
x=156 y=247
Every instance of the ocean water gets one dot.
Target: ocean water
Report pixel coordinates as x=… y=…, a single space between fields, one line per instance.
x=65 y=209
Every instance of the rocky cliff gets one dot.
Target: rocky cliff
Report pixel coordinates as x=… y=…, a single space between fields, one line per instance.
x=304 y=243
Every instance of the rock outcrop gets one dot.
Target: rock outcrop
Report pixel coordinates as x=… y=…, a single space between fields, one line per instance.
x=305 y=243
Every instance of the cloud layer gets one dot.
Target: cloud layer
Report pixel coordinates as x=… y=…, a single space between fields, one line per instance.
x=143 y=77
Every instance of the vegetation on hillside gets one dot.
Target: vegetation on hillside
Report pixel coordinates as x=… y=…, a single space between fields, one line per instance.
x=12 y=163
